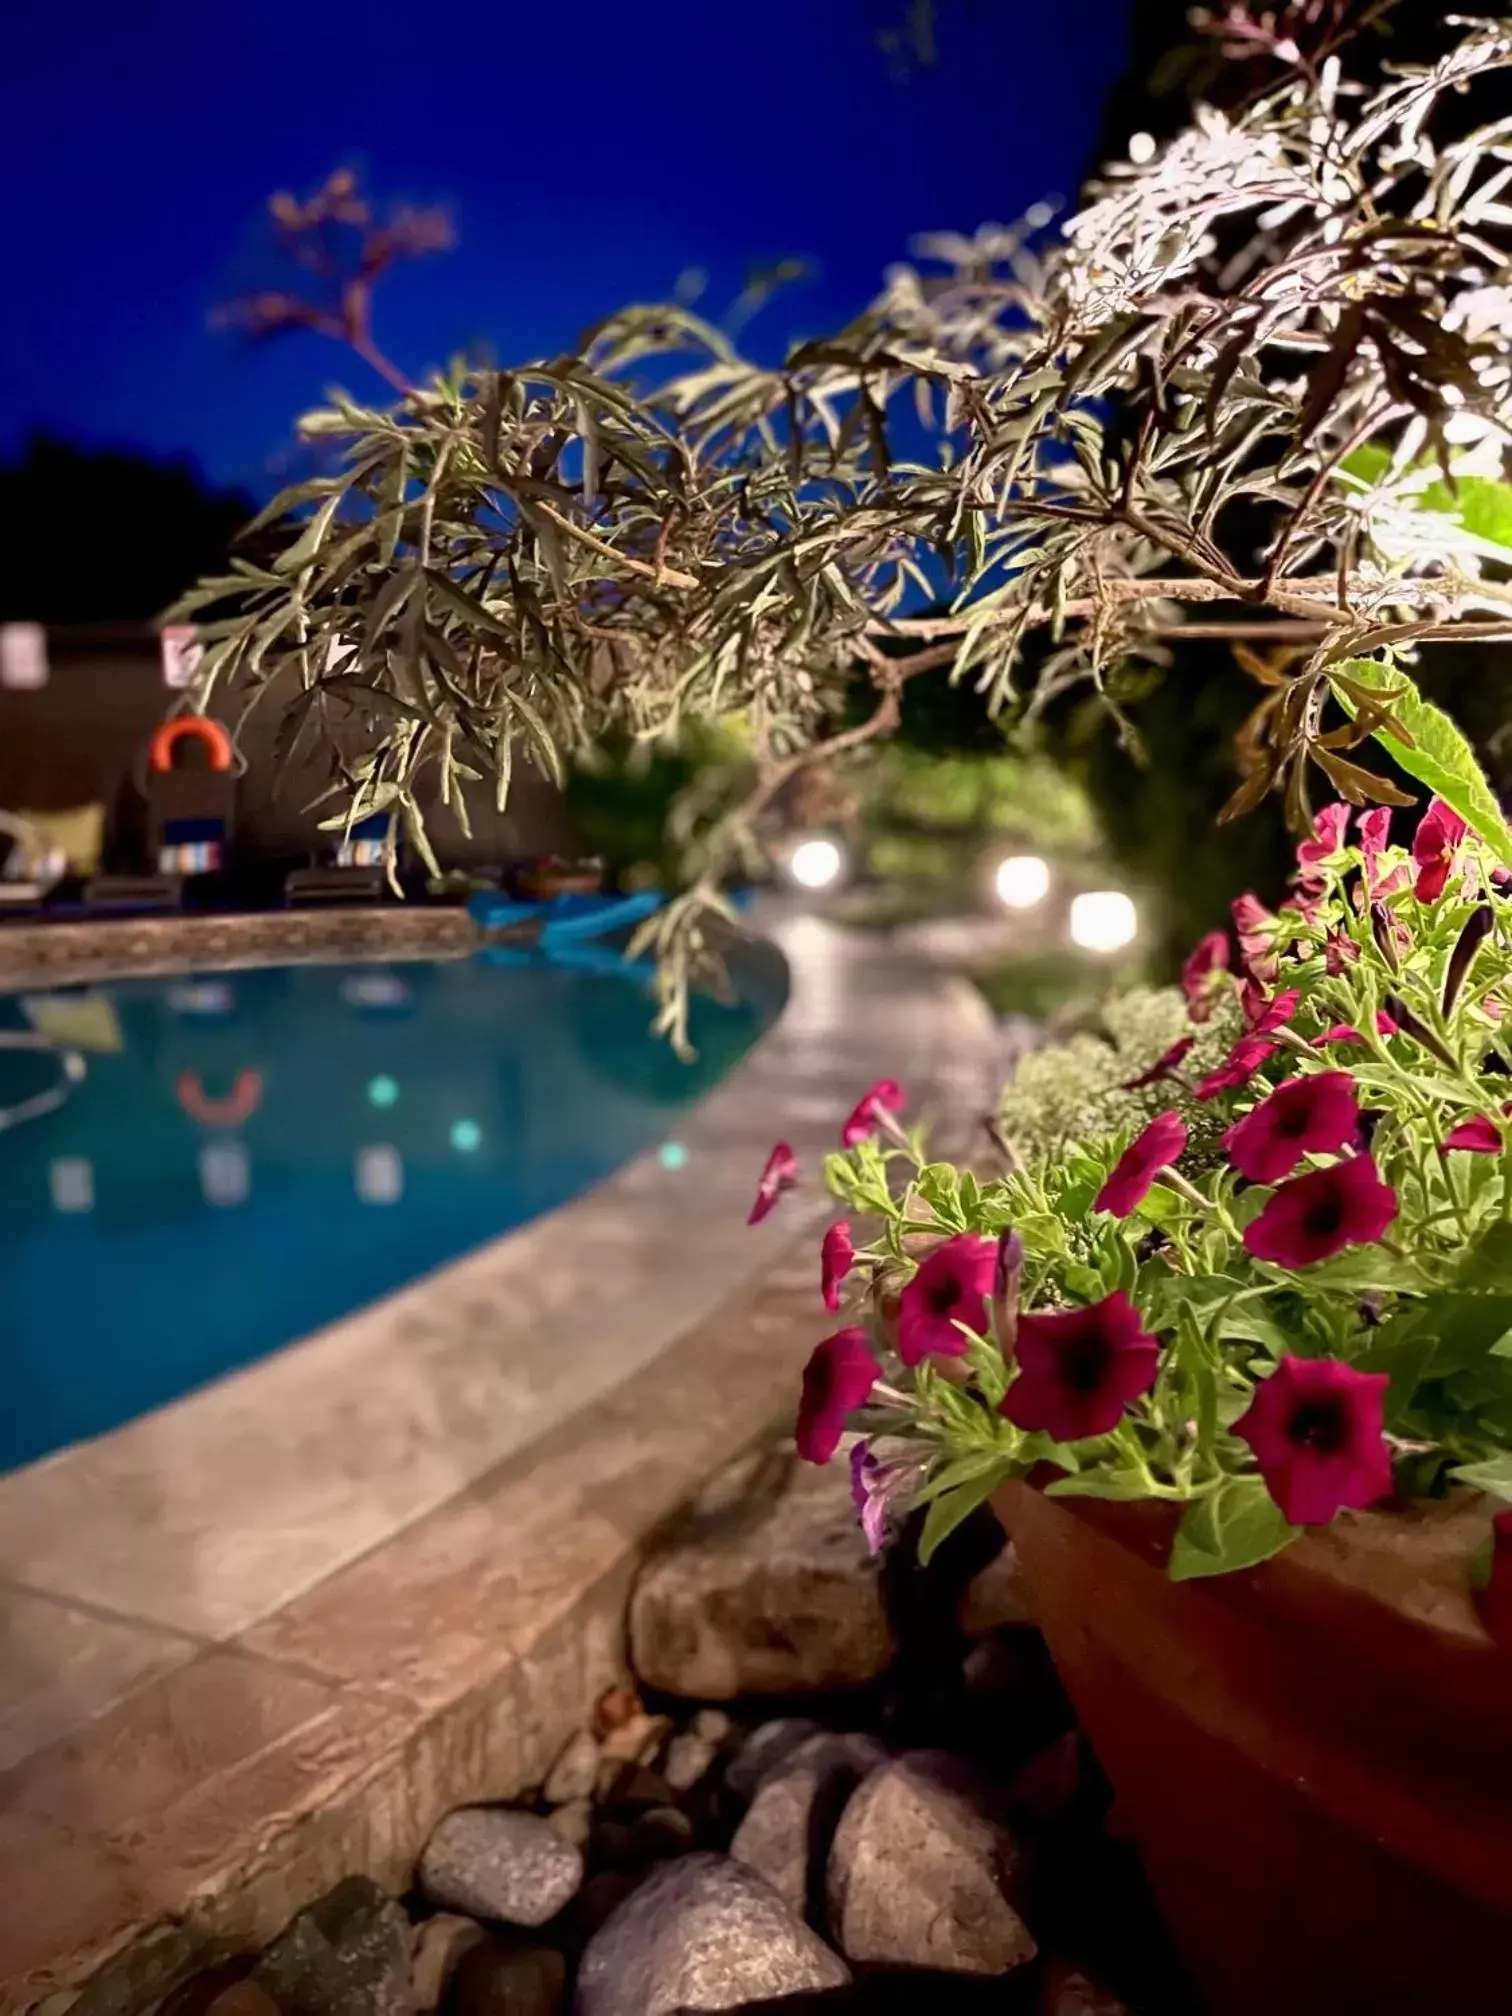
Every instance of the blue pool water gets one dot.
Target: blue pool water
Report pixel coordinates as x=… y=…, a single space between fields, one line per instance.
x=248 y=1156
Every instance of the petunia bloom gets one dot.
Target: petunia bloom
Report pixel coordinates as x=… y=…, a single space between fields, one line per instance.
x=1439 y=833
x=1317 y=1429
x=1342 y=1032
x=1305 y=1116
x=837 y=1256
x=1374 y=827
x=1129 y=1180
x=1169 y=1062
x=837 y=1380
x=1327 y=838
x=873 y=1487
x=780 y=1173
x=1319 y=1214
x=951 y=1286
x=1480 y=1135
x=1264 y=1013
x=1256 y=929
x=1208 y=959
x=1007 y=1273
x=1237 y=1069
x=1080 y=1368
x=886 y=1096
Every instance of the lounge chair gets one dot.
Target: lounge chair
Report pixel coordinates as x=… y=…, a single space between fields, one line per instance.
x=189 y=815
x=358 y=874
x=32 y=867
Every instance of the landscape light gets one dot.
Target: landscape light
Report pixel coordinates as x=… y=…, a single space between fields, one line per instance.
x=672 y=1155
x=1022 y=881
x=1103 y=920
x=1141 y=148
x=816 y=864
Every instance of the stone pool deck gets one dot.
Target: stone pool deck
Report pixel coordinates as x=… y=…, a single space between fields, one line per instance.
x=265 y=1636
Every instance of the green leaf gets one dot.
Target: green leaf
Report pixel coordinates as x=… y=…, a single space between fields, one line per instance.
x=1118 y=1484
x=1440 y=757
x=1236 y=1526
x=949 y=1510
x=1488 y=1263
x=1493 y=1476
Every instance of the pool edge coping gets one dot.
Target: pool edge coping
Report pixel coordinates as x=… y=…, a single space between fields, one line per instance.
x=349 y=1768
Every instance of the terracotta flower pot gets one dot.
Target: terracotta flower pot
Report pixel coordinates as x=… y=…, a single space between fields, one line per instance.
x=1314 y=1757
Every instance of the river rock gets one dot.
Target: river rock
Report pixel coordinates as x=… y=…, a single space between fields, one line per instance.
x=638 y=1741
x=436 y=1951
x=711 y=1725
x=995 y=1597
x=768 y=1588
x=347 y=1955
x=492 y=1862
x=922 y=1872
x=768 y=1746
x=499 y=1980
x=702 y=1933
x=786 y=1833
x=688 y=1761
x=572 y=1775
x=574 y=1821
x=1066 y=1991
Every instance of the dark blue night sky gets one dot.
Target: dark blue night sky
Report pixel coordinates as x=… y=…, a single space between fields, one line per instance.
x=589 y=154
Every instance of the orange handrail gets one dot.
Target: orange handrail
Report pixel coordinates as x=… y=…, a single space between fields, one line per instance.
x=198 y=728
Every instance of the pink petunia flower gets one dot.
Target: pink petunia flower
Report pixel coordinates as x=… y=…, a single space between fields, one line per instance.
x=1080 y=1368
x=837 y=1256
x=1480 y=1136
x=1241 y=1064
x=1208 y=959
x=951 y=1286
x=1317 y=1429
x=1007 y=1273
x=780 y=1174
x=1305 y=1116
x=874 y=1485
x=1256 y=928
x=1129 y=1180
x=1319 y=1214
x=886 y=1096
x=1374 y=827
x=1264 y=1013
x=1439 y=833
x=1165 y=1066
x=1342 y=1032
x=837 y=1380
x=1328 y=832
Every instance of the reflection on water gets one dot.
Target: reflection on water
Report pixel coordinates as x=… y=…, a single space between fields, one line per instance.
x=204 y=1168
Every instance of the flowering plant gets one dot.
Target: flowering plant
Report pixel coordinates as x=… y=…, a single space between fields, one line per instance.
x=1284 y=1291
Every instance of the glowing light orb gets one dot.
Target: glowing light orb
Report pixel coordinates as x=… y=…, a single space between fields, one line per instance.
x=382 y=1090
x=1103 y=920
x=816 y=864
x=672 y=1155
x=1022 y=881
x=465 y=1136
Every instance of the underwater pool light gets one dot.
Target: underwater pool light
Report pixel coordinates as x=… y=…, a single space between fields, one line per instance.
x=672 y=1155
x=465 y=1136
x=1022 y=881
x=1103 y=920
x=382 y=1090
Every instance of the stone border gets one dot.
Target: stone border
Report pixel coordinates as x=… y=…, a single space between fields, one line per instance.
x=113 y=948
x=383 y=1571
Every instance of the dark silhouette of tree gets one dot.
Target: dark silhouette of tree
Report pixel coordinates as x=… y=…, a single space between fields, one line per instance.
x=91 y=535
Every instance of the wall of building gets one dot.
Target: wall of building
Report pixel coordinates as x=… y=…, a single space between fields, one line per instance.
x=78 y=738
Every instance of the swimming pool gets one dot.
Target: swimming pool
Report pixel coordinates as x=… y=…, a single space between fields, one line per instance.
x=205 y=1167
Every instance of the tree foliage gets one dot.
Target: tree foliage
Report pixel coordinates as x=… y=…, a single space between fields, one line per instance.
x=1159 y=411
